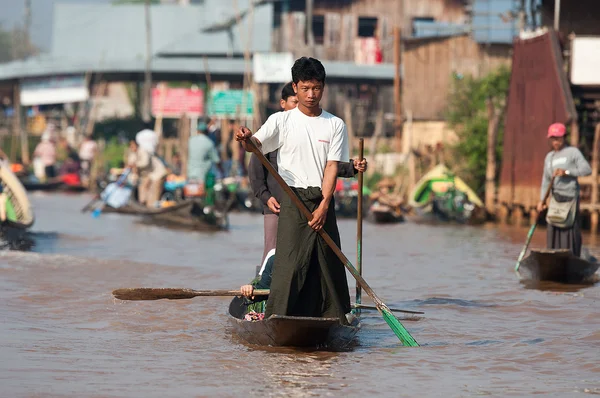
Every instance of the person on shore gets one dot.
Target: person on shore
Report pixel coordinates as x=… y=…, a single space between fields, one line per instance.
x=268 y=190
x=563 y=164
x=308 y=278
x=46 y=152
x=87 y=154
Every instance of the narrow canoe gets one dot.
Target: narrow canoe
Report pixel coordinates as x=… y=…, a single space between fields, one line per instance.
x=189 y=215
x=383 y=214
x=292 y=331
x=557 y=266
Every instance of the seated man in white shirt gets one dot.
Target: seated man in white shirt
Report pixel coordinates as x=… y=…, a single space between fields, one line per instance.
x=308 y=278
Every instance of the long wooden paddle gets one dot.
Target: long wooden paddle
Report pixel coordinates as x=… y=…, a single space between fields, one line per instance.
x=359 y=224
x=393 y=322
x=533 y=227
x=149 y=293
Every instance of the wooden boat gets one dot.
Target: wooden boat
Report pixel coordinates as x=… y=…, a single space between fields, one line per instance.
x=16 y=213
x=55 y=184
x=292 y=331
x=186 y=215
x=557 y=266
x=440 y=195
x=383 y=214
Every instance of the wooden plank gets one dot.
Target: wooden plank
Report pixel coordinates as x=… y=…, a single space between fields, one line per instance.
x=595 y=159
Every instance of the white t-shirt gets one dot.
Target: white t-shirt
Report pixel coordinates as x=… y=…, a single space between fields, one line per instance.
x=147 y=139
x=305 y=145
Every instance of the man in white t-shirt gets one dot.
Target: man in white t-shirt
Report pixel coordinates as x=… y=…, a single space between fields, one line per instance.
x=308 y=278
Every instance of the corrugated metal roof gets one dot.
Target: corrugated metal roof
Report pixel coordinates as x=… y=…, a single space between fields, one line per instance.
x=48 y=66
x=107 y=32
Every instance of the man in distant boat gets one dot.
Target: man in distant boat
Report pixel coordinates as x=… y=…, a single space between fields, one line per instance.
x=308 y=278
x=563 y=164
x=202 y=157
x=152 y=173
x=268 y=190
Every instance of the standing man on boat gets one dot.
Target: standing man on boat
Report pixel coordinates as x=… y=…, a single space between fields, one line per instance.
x=563 y=163
x=308 y=278
x=202 y=156
x=268 y=190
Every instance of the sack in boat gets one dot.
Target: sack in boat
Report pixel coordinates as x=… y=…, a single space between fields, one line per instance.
x=561 y=214
x=192 y=190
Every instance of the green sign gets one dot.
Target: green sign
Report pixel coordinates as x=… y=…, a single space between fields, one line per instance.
x=231 y=103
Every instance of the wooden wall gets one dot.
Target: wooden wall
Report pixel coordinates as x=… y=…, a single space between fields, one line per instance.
x=429 y=66
x=341 y=19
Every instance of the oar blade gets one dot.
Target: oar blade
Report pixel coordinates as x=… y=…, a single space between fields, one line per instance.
x=398 y=329
x=148 y=293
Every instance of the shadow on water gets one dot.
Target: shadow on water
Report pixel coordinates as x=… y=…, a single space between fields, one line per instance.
x=451 y=301
x=16 y=239
x=548 y=286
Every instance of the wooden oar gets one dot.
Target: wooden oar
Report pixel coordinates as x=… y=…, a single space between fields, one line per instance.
x=393 y=322
x=372 y=307
x=533 y=226
x=359 y=224
x=149 y=293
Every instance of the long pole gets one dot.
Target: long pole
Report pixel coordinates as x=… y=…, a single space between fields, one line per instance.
x=398 y=87
x=359 y=224
x=556 y=14
x=148 y=71
x=310 y=36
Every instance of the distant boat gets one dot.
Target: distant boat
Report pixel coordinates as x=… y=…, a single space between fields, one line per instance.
x=441 y=195
x=16 y=213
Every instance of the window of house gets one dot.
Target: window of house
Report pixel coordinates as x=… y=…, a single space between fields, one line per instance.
x=367 y=27
x=318 y=27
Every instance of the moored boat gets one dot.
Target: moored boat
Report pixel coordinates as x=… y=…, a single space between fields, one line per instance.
x=558 y=266
x=292 y=331
x=16 y=212
x=443 y=196
x=189 y=214
x=384 y=214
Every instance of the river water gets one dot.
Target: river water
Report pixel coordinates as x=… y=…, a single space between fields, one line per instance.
x=483 y=333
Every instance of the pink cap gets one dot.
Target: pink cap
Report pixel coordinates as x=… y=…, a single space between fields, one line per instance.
x=557 y=130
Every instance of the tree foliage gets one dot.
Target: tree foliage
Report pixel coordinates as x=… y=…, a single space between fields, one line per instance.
x=467 y=114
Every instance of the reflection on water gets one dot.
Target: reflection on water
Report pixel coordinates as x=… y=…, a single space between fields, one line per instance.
x=483 y=332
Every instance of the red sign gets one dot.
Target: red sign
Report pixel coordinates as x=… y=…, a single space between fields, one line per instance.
x=175 y=102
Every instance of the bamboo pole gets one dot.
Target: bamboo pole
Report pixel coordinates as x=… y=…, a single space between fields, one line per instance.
x=595 y=160
x=359 y=219
x=18 y=124
x=494 y=114
x=146 y=113
x=398 y=88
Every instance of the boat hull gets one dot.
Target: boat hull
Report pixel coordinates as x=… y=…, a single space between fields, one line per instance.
x=291 y=331
x=557 y=266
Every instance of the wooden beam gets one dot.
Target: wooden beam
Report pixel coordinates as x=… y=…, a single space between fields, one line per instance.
x=494 y=114
x=398 y=88
x=18 y=125
x=595 y=160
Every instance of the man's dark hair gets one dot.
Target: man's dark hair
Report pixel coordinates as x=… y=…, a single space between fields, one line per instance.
x=306 y=69
x=287 y=91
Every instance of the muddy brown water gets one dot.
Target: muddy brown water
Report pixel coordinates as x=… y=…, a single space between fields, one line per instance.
x=484 y=333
